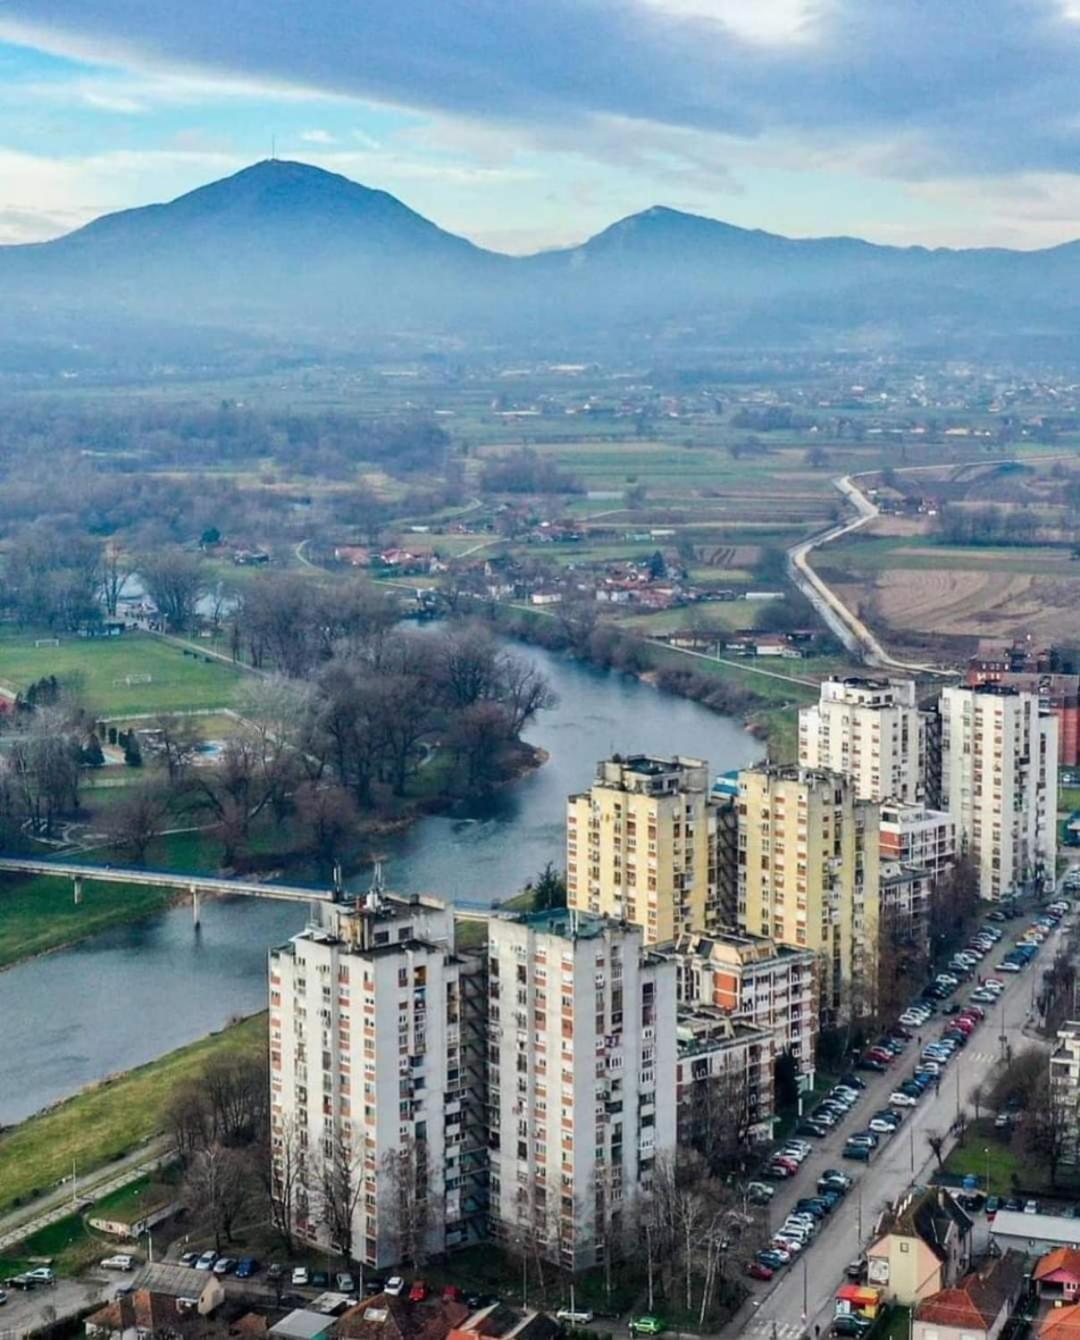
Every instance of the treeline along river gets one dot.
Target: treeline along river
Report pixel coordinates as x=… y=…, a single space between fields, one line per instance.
x=129 y=995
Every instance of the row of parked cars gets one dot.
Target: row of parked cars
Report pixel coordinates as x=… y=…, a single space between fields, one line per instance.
x=801 y=1226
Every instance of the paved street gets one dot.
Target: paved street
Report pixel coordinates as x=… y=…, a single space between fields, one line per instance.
x=57 y=1203
x=812 y=1279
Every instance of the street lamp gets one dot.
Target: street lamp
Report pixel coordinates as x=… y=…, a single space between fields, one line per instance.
x=986 y=1152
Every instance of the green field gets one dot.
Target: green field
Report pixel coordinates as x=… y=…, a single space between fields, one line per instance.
x=178 y=683
x=111 y=1119
x=39 y=913
x=68 y=1244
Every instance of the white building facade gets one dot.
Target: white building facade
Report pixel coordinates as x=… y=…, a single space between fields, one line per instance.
x=581 y=1075
x=999 y=762
x=870 y=730
x=376 y=1115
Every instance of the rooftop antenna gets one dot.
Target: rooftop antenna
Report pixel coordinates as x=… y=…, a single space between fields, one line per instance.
x=375 y=893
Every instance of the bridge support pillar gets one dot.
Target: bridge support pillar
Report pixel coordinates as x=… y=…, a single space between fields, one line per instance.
x=194 y=906
x=77 y=884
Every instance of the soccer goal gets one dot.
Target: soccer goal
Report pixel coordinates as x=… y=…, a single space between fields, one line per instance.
x=46 y=642
x=128 y=680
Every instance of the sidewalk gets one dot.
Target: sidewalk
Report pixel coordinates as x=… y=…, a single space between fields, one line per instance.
x=63 y=1199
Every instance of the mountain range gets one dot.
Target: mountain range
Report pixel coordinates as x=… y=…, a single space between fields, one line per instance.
x=287 y=256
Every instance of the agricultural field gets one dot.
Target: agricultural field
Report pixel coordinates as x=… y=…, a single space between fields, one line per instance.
x=912 y=590
x=111 y=672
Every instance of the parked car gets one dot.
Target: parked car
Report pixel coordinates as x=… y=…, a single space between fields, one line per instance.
x=419 y=1292
x=856 y=1270
x=300 y=1277
x=189 y=1258
x=121 y=1261
x=760 y=1192
x=452 y=1294
x=275 y=1271
x=225 y=1265
x=851 y=1324
x=758 y=1270
x=902 y=1099
x=344 y=1281
x=646 y=1326
x=247 y=1267
x=395 y=1286
x=206 y=1261
x=568 y=1316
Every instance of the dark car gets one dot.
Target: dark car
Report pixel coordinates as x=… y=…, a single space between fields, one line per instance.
x=852 y=1324
x=853 y=1080
x=320 y=1279
x=869 y=1063
x=810 y=1127
x=373 y=1284
x=247 y=1267
x=276 y=1271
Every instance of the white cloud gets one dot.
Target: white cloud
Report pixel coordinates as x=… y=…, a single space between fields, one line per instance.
x=318 y=137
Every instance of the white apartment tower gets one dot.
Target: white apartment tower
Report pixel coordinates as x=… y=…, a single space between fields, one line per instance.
x=870 y=730
x=581 y=1075
x=377 y=1090
x=999 y=753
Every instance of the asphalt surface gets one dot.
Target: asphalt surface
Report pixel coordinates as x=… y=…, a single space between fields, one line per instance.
x=800 y=1297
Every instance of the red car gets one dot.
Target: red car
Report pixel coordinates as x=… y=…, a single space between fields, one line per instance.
x=452 y=1294
x=758 y=1271
x=418 y=1292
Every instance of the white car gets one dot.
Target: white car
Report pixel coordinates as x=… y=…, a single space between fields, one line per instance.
x=119 y=1262
x=206 y=1261
x=41 y=1275
x=1006 y=965
x=994 y=984
x=395 y=1286
x=300 y=1276
x=899 y=1099
x=573 y=1316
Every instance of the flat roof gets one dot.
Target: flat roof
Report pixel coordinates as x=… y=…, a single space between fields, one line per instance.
x=1036 y=1227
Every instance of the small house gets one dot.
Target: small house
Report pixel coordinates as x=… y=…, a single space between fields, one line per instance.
x=1057 y=1274
x=923 y=1245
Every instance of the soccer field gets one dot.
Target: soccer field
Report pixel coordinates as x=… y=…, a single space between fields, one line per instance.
x=176 y=682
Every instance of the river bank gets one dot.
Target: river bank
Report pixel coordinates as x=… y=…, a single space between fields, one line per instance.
x=111 y=1117
x=121 y=998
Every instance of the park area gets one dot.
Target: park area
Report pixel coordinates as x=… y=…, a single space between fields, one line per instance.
x=135 y=674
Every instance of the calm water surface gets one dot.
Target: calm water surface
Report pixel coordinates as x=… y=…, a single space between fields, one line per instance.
x=129 y=995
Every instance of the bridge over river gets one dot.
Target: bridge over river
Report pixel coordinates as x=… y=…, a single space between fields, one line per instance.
x=197 y=884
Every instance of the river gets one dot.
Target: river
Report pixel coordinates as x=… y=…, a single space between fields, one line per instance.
x=129 y=995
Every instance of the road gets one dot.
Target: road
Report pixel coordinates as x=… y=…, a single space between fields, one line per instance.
x=58 y=1203
x=901 y=1159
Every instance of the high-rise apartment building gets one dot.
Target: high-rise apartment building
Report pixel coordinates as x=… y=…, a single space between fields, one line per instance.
x=724 y=1082
x=870 y=730
x=582 y=1054
x=378 y=1101
x=640 y=846
x=915 y=836
x=999 y=782
x=808 y=877
x=755 y=981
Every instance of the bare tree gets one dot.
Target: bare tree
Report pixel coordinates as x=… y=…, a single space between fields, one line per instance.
x=174 y=580
x=179 y=739
x=326 y=817
x=284 y=1168
x=936 y=1141
x=411 y=1197
x=115 y=570
x=137 y=819
x=523 y=691
x=218 y=1188
x=339 y=1186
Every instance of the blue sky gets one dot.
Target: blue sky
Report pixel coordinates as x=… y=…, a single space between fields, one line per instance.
x=530 y=123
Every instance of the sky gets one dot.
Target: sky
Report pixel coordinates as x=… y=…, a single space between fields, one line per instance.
x=525 y=124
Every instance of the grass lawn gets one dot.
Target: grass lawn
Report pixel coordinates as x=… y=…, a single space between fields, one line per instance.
x=109 y=1120
x=178 y=682
x=1068 y=799
x=1010 y=1164
x=39 y=913
x=68 y=1244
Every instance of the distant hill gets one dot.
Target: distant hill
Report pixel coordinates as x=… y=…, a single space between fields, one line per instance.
x=289 y=256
